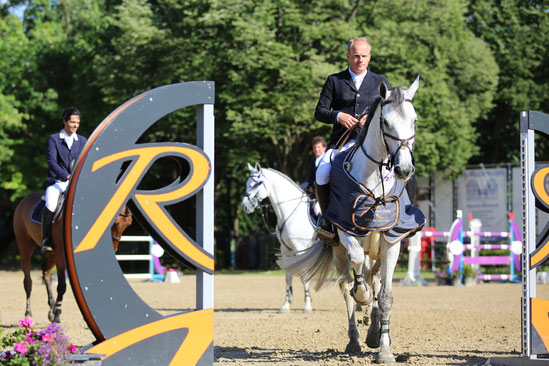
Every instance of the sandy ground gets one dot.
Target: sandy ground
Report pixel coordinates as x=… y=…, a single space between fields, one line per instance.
x=432 y=325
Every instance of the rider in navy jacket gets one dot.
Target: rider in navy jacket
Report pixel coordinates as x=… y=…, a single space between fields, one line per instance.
x=63 y=147
x=345 y=101
x=339 y=95
x=59 y=156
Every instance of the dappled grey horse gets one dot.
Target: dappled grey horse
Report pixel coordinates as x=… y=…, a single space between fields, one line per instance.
x=372 y=213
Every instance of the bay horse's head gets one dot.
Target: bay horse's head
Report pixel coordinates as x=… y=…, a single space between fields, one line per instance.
x=255 y=189
x=121 y=223
x=398 y=127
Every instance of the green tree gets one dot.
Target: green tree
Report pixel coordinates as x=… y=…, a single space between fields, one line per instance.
x=458 y=74
x=517 y=32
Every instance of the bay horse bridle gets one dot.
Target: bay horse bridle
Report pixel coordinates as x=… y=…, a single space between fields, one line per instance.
x=128 y=213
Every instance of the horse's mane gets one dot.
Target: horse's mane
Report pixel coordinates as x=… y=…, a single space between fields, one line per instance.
x=364 y=129
x=396 y=98
x=286 y=177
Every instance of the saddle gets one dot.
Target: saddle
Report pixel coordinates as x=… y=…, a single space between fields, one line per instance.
x=38 y=210
x=354 y=209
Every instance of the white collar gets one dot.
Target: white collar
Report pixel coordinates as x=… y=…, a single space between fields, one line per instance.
x=355 y=76
x=63 y=135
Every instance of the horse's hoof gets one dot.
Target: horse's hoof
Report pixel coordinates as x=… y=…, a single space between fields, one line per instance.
x=353 y=347
x=308 y=311
x=51 y=316
x=385 y=358
x=360 y=300
x=374 y=331
x=284 y=310
x=372 y=339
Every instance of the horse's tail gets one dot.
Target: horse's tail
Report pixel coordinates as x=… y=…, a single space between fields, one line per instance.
x=312 y=264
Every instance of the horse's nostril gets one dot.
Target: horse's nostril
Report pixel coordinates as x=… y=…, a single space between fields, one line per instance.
x=397 y=170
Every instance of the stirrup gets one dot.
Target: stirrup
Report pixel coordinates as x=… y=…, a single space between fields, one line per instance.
x=325 y=227
x=326 y=235
x=46 y=249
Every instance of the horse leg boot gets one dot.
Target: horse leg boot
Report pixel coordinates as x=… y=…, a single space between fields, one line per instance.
x=388 y=255
x=47 y=218
x=324 y=228
x=289 y=295
x=308 y=309
x=355 y=254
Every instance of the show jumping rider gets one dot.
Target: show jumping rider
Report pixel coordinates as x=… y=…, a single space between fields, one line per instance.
x=344 y=102
x=63 y=147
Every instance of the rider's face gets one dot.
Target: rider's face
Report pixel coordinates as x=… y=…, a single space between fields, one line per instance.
x=71 y=126
x=359 y=57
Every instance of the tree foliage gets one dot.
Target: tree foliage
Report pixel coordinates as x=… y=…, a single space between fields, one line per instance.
x=517 y=33
x=269 y=61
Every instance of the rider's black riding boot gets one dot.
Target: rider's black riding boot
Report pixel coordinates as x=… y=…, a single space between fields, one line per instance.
x=325 y=229
x=47 y=218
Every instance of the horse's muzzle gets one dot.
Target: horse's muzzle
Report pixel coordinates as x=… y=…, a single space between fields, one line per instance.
x=404 y=173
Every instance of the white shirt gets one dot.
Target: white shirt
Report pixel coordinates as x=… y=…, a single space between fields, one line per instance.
x=318 y=159
x=357 y=79
x=68 y=139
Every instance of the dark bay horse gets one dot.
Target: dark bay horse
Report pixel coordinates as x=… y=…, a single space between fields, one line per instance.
x=28 y=235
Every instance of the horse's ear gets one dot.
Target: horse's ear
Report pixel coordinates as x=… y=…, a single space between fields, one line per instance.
x=383 y=90
x=251 y=168
x=413 y=88
x=257 y=166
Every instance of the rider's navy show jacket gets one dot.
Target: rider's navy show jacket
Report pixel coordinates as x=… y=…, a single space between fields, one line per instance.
x=339 y=94
x=59 y=157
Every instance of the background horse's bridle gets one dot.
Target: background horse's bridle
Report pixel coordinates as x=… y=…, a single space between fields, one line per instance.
x=128 y=213
x=255 y=203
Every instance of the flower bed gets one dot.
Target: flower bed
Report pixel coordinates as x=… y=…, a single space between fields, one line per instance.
x=27 y=346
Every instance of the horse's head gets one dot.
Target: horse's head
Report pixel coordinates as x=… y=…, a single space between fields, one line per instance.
x=255 y=189
x=121 y=223
x=398 y=127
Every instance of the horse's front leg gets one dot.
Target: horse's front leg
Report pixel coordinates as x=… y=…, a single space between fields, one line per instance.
x=289 y=294
x=345 y=283
x=47 y=271
x=308 y=309
x=54 y=314
x=388 y=255
x=355 y=253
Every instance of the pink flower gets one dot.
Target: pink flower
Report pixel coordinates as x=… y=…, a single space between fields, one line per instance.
x=29 y=340
x=47 y=338
x=20 y=348
x=26 y=322
x=72 y=348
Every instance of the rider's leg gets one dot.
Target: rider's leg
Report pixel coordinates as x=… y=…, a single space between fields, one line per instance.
x=53 y=193
x=52 y=196
x=323 y=192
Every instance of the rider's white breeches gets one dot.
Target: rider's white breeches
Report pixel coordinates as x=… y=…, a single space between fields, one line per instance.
x=53 y=192
x=325 y=166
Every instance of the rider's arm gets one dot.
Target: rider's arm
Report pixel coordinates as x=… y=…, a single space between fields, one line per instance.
x=51 y=156
x=323 y=111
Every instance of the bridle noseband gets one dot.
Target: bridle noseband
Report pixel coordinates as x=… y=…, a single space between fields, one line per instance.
x=402 y=143
x=258 y=181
